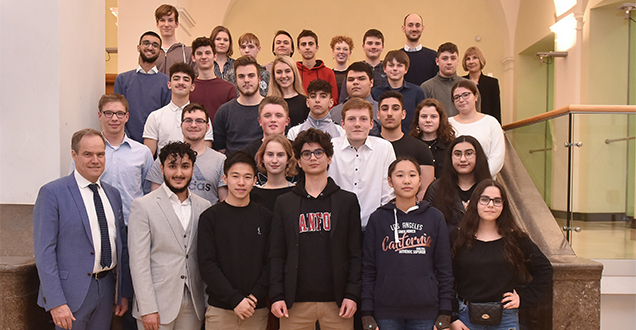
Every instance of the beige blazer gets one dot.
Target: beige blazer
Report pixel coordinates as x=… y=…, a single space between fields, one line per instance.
x=162 y=258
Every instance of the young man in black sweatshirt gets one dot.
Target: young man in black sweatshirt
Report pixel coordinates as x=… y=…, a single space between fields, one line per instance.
x=316 y=247
x=233 y=250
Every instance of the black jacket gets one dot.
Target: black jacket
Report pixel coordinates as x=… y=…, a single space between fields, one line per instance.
x=346 y=244
x=458 y=208
x=490 y=96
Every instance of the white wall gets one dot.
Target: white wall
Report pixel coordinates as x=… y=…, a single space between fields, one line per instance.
x=51 y=76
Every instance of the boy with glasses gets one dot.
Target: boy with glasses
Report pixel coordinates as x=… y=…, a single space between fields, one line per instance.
x=207 y=178
x=145 y=88
x=162 y=125
x=316 y=245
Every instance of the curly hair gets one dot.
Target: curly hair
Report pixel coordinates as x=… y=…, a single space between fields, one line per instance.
x=338 y=39
x=177 y=149
x=313 y=135
x=445 y=131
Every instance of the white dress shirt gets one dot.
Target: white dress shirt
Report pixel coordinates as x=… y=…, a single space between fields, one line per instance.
x=89 y=204
x=164 y=125
x=183 y=210
x=363 y=172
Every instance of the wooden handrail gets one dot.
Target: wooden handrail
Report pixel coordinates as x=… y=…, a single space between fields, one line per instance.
x=573 y=108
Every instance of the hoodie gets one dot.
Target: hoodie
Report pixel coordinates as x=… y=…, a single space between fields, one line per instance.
x=406 y=264
x=315 y=279
x=299 y=219
x=319 y=71
x=176 y=53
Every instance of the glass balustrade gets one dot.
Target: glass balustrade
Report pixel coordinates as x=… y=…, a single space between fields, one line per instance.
x=583 y=164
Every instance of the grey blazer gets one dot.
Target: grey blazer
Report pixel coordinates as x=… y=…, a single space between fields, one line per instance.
x=162 y=257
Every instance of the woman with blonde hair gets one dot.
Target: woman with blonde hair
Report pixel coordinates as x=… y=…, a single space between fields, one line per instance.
x=275 y=158
x=285 y=81
x=474 y=62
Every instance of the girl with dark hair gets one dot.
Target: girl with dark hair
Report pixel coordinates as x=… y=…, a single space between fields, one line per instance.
x=406 y=265
x=431 y=126
x=485 y=128
x=276 y=158
x=451 y=192
x=492 y=258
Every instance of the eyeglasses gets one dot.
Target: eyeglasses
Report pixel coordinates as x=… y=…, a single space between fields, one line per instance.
x=485 y=200
x=147 y=43
x=119 y=114
x=189 y=121
x=306 y=155
x=468 y=154
x=464 y=96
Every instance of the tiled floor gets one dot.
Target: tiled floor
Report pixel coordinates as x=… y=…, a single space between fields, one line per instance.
x=603 y=239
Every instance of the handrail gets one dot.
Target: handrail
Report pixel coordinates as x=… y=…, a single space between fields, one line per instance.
x=573 y=108
x=608 y=141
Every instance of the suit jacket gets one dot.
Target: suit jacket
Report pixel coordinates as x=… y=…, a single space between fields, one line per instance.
x=162 y=258
x=490 y=96
x=346 y=247
x=63 y=244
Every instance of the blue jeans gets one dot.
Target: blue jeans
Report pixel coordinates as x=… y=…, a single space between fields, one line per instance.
x=509 y=320
x=405 y=324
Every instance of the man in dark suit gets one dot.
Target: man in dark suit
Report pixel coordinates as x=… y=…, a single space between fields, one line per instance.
x=315 y=253
x=80 y=242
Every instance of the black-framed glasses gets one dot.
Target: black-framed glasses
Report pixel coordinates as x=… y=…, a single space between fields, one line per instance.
x=306 y=155
x=464 y=96
x=147 y=43
x=189 y=121
x=485 y=200
x=119 y=114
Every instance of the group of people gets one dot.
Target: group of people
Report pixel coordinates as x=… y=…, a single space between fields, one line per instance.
x=226 y=194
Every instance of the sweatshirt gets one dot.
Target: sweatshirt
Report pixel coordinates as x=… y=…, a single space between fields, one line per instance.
x=406 y=264
x=319 y=71
x=233 y=246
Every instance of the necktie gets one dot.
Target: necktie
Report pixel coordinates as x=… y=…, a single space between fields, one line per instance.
x=106 y=258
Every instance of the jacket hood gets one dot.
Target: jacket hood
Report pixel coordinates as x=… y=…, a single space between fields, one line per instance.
x=331 y=188
x=422 y=207
x=414 y=211
x=319 y=65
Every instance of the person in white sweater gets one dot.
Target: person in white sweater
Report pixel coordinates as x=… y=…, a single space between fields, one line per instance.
x=485 y=128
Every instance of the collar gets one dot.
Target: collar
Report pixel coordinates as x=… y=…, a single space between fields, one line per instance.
x=126 y=140
x=325 y=119
x=368 y=143
x=173 y=197
x=416 y=49
x=453 y=77
x=154 y=70
x=83 y=182
x=173 y=107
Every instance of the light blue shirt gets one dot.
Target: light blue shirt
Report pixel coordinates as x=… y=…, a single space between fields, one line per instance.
x=126 y=167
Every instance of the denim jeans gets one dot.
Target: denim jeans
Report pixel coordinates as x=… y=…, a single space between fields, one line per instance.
x=405 y=324
x=509 y=319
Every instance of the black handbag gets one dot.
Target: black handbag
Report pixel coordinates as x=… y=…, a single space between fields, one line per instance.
x=488 y=313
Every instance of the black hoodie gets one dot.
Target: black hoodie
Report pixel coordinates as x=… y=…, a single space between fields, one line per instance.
x=407 y=267
x=300 y=221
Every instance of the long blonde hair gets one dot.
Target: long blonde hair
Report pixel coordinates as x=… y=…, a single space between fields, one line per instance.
x=274 y=87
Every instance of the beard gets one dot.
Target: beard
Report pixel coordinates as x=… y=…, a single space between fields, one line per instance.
x=408 y=36
x=175 y=189
x=146 y=59
x=248 y=93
